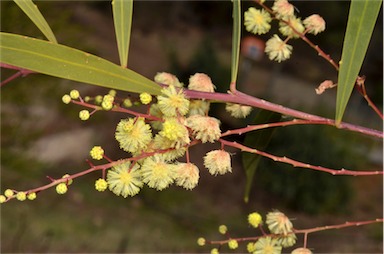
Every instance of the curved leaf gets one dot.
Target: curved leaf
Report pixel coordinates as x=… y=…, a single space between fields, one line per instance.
x=235 y=39
x=122 y=18
x=31 y=10
x=68 y=63
x=259 y=140
x=361 y=21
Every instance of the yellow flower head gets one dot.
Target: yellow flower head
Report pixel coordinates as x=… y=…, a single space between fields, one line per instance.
x=204 y=128
x=32 y=196
x=283 y=8
x=133 y=134
x=277 y=49
x=175 y=149
x=101 y=184
x=288 y=31
x=167 y=79
x=201 y=82
x=157 y=173
x=278 y=223
x=174 y=130
x=124 y=179
x=257 y=21
x=237 y=110
x=232 y=244
x=198 y=107
x=254 y=219
x=314 y=24
x=218 y=162
x=21 y=196
x=187 y=175
x=301 y=251
x=266 y=245
x=172 y=102
x=145 y=98
x=97 y=153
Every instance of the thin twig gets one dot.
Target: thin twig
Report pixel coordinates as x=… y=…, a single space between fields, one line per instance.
x=299 y=164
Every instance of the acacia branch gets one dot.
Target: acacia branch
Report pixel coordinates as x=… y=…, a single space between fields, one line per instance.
x=299 y=164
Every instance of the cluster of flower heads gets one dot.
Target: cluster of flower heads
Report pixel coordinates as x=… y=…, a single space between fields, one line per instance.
x=157 y=140
x=281 y=236
x=258 y=21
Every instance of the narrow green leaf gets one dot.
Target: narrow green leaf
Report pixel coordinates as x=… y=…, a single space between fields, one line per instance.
x=68 y=63
x=235 y=39
x=31 y=10
x=258 y=139
x=122 y=18
x=361 y=21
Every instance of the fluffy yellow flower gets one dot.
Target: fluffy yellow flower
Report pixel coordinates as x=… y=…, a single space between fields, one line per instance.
x=288 y=31
x=187 y=175
x=254 y=219
x=204 y=128
x=314 y=24
x=237 y=110
x=301 y=251
x=283 y=8
x=167 y=79
x=175 y=149
x=257 y=21
x=266 y=245
x=124 y=179
x=218 y=162
x=133 y=134
x=174 y=130
x=172 y=102
x=278 y=223
x=157 y=173
x=277 y=49
x=198 y=107
x=201 y=82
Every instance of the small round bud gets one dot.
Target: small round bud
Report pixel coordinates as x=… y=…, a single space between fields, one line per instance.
x=251 y=247
x=97 y=153
x=232 y=244
x=21 y=196
x=74 y=94
x=201 y=241
x=254 y=219
x=127 y=103
x=70 y=181
x=98 y=99
x=31 y=196
x=112 y=92
x=66 y=98
x=2 y=199
x=8 y=193
x=145 y=98
x=215 y=251
x=61 y=188
x=106 y=105
x=223 y=229
x=84 y=114
x=87 y=98
x=101 y=185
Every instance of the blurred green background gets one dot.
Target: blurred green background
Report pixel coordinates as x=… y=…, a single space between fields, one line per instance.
x=40 y=136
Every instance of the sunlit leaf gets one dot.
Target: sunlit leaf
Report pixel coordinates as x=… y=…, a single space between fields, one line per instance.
x=361 y=21
x=122 y=18
x=31 y=10
x=235 y=39
x=68 y=63
x=258 y=139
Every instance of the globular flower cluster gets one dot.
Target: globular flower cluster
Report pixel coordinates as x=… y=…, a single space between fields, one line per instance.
x=258 y=21
x=281 y=235
x=156 y=140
